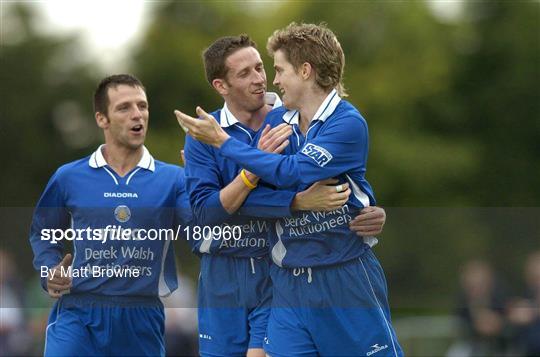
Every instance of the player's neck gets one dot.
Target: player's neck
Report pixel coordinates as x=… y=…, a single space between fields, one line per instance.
x=252 y=120
x=121 y=159
x=309 y=105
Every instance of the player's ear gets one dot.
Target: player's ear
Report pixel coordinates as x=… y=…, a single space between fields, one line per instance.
x=102 y=120
x=221 y=86
x=306 y=70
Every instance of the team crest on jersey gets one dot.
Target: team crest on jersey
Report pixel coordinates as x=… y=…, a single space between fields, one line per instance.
x=122 y=213
x=317 y=153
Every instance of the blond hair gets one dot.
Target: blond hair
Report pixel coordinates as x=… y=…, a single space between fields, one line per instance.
x=316 y=45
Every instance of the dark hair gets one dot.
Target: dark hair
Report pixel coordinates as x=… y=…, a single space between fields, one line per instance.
x=101 y=96
x=216 y=54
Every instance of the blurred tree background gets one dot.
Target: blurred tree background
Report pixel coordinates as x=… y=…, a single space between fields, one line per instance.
x=452 y=104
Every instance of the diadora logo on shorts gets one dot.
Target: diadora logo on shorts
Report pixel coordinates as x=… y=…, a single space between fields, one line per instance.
x=205 y=336
x=266 y=341
x=376 y=348
x=317 y=153
x=120 y=195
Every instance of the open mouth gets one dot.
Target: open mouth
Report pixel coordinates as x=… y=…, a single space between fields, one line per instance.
x=259 y=91
x=137 y=128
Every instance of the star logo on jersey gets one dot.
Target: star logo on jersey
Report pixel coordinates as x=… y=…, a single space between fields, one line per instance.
x=122 y=213
x=319 y=154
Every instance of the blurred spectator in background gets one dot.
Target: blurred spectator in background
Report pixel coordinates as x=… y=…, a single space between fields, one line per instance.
x=37 y=307
x=524 y=313
x=181 y=320
x=481 y=308
x=12 y=327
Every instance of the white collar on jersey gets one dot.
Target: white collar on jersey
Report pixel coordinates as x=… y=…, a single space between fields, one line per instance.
x=326 y=109
x=97 y=160
x=226 y=118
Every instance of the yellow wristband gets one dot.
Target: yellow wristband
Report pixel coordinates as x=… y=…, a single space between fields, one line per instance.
x=248 y=183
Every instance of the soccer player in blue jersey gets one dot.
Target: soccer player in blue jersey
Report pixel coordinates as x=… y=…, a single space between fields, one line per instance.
x=120 y=208
x=329 y=295
x=233 y=311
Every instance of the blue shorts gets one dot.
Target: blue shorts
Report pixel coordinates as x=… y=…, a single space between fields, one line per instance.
x=234 y=299
x=96 y=325
x=341 y=310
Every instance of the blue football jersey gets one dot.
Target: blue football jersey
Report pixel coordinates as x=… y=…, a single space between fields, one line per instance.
x=122 y=228
x=335 y=146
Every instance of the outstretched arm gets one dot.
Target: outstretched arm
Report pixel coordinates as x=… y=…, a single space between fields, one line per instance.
x=342 y=146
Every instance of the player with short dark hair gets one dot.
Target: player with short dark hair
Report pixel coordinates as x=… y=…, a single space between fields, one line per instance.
x=215 y=56
x=101 y=94
x=110 y=204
